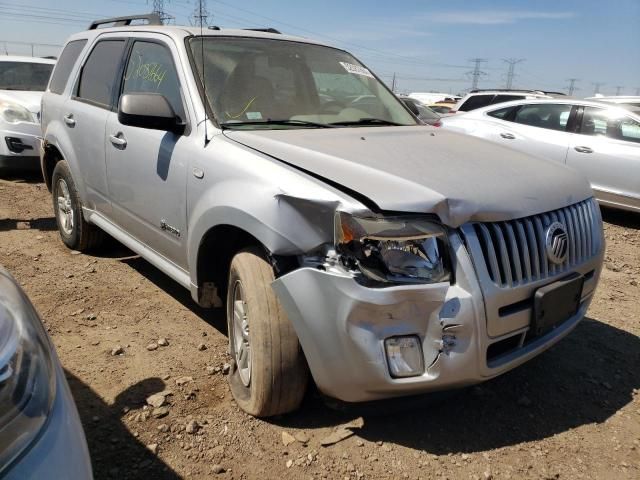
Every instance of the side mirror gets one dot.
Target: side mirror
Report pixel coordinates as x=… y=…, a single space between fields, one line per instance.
x=149 y=110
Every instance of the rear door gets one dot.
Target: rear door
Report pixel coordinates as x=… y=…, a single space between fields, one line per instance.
x=147 y=169
x=85 y=114
x=606 y=148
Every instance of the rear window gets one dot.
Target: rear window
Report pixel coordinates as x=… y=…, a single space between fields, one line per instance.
x=476 y=101
x=98 y=75
x=64 y=65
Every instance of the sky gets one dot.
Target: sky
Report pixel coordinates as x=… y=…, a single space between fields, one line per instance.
x=427 y=44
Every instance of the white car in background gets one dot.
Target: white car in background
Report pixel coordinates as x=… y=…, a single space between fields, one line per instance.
x=600 y=140
x=22 y=82
x=628 y=101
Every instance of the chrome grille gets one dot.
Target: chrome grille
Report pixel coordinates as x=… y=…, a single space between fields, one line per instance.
x=514 y=251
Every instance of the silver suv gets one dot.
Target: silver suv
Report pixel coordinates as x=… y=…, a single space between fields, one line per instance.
x=280 y=178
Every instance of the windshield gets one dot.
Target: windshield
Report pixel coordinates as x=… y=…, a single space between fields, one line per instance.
x=28 y=76
x=262 y=83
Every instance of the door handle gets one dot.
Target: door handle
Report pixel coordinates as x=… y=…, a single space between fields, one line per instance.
x=68 y=119
x=118 y=140
x=508 y=136
x=583 y=149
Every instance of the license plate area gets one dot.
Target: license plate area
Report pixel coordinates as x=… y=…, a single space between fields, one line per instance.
x=555 y=303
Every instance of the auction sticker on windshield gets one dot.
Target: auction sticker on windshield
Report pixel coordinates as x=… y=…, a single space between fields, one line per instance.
x=356 y=69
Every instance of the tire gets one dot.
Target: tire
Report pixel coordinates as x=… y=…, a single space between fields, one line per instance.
x=75 y=232
x=277 y=375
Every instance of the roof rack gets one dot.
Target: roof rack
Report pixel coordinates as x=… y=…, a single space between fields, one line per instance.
x=265 y=30
x=521 y=90
x=151 y=18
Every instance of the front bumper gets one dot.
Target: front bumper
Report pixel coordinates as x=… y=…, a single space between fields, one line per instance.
x=20 y=145
x=342 y=326
x=60 y=451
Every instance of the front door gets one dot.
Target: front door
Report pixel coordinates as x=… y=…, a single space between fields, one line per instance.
x=147 y=168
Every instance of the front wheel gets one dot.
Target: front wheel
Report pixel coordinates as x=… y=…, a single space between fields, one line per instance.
x=269 y=374
x=75 y=231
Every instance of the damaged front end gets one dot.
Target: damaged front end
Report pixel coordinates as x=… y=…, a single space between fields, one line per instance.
x=391 y=308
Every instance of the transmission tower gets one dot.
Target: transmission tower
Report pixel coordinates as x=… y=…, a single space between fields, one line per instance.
x=476 y=73
x=200 y=14
x=637 y=91
x=512 y=62
x=619 y=89
x=572 y=85
x=596 y=87
x=158 y=8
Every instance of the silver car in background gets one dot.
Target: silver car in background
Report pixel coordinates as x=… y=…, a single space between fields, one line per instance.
x=599 y=140
x=40 y=431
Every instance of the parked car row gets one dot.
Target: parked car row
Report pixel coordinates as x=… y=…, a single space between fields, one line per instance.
x=599 y=140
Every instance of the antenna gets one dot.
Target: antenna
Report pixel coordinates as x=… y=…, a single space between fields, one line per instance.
x=201 y=16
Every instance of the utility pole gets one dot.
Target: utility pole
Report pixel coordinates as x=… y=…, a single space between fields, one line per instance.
x=572 y=85
x=158 y=8
x=596 y=87
x=200 y=14
x=393 y=83
x=476 y=73
x=512 y=62
x=619 y=89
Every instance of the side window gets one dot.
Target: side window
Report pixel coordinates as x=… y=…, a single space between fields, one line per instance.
x=476 y=101
x=98 y=75
x=544 y=115
x=502 y=113
x=151 y=70
x=64 y=65
x=610 y=123
x=630 y=130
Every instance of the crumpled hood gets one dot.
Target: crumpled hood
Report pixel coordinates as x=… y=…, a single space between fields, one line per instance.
x=420 y=169
x=29 y=100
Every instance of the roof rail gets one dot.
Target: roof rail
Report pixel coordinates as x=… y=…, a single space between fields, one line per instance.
x=151 y=18
x=478 y=90
x=265 y=30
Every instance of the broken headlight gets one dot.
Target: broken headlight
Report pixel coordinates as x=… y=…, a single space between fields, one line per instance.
x=393 y=249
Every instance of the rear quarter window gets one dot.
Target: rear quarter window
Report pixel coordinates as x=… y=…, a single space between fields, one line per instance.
x=65 y=64
x=476 y=101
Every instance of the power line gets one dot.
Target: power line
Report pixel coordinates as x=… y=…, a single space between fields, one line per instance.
x=512 y=62
x=476 y=73
x=158 y=8
x=200 y=14
x=596 y=87
x=572 y=85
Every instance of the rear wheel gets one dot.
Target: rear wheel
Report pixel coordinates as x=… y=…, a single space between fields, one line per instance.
x=75 y=232
x=269 y=374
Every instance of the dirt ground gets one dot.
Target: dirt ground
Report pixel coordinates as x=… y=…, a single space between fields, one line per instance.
x=573 y=412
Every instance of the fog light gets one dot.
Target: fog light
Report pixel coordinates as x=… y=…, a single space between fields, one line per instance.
x=404 y=356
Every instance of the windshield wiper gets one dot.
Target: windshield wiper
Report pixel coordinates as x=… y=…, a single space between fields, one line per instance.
x=297 y=123
x=367 y=122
